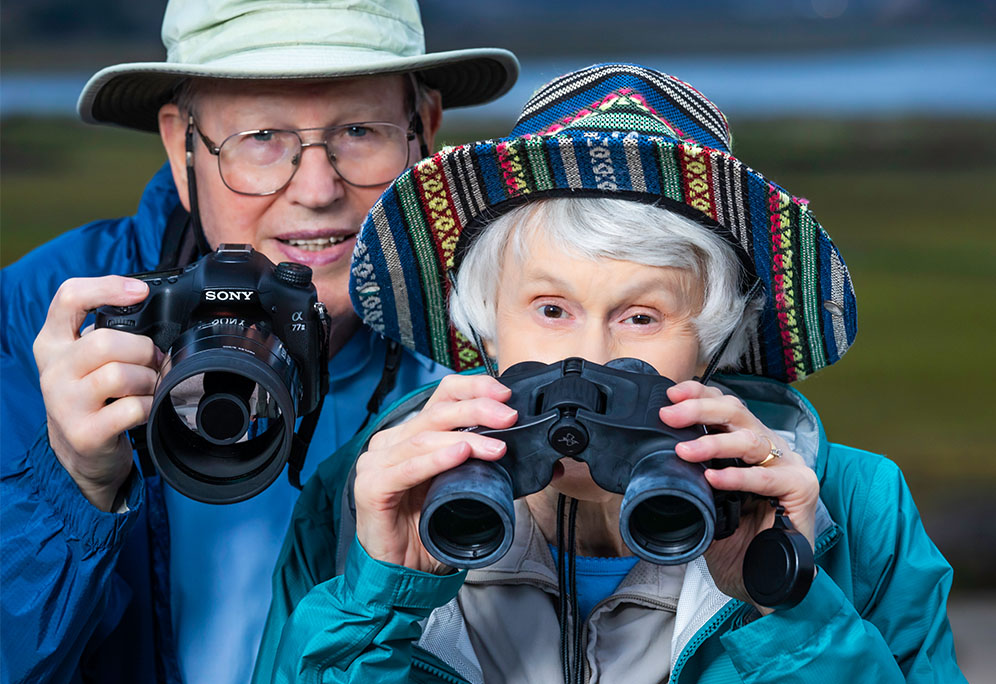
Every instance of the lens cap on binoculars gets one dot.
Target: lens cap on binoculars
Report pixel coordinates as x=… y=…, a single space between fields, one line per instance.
x=246 y=345
x=606 y=416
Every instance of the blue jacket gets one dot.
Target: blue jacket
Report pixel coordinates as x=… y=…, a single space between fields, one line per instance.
x=876 y=611
x=93 y=596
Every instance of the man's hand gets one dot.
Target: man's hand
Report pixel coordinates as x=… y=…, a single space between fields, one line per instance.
x=393 y=476
x=80 y=375
x=736 y=433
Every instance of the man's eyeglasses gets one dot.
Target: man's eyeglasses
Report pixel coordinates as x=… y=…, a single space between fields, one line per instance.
x=262 y=162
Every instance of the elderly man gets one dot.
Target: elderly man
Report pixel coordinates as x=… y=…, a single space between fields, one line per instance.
x=108 y=575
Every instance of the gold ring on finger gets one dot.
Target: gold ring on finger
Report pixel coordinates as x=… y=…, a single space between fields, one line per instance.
x=773 y=453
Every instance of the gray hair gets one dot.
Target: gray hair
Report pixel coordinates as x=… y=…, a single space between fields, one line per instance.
x=617 y=229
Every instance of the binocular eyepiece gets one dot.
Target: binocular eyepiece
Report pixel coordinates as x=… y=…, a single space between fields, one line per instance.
x=606 y=416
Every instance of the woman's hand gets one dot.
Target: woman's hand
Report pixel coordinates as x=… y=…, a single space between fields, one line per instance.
x=393 y=475
x=736 y=433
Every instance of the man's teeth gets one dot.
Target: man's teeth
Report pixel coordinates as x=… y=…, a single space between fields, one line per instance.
x=317 y=244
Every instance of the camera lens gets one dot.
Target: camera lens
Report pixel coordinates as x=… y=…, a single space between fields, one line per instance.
x=223 y=412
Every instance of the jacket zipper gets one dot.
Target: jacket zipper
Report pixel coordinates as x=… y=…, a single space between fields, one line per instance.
x=826 y=540
x=436 y=672
x=717 y=620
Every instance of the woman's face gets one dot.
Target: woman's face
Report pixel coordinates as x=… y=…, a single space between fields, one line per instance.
x=553 y=304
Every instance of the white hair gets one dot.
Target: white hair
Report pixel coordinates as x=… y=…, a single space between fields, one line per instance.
x=617 y=229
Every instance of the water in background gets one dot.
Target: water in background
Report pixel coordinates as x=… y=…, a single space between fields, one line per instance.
x=927 y=80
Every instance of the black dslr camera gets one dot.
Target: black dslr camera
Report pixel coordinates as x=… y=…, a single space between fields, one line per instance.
x=247 y=354
x=606 y=416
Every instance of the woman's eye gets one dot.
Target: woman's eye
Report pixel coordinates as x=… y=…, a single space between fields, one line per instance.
x=640 y=319
x=552 y=311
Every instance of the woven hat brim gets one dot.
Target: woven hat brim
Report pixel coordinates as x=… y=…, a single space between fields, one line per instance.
x=415 y=232
x=131 y=95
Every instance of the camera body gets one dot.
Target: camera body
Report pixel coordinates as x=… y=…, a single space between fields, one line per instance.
x=606 y=416
x=249 y=340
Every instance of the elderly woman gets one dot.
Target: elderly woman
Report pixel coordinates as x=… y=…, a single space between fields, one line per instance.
x=612 y=223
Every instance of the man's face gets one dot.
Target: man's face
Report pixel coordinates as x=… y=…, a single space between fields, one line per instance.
x=315 y=218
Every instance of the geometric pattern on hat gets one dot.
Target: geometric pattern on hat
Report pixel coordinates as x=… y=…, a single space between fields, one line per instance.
x=615 y=130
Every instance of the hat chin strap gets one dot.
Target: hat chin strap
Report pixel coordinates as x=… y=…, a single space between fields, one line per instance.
x=489 y=364
x=714 y=361
x=195 y=214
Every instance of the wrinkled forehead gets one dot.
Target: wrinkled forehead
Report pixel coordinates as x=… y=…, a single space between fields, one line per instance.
x=389 y=93
x=533 y=252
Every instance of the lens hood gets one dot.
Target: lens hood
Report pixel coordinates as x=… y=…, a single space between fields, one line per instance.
x=205 y=453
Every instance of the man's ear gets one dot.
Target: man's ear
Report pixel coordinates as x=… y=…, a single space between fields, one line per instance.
x=431 y=111
x=173 y=131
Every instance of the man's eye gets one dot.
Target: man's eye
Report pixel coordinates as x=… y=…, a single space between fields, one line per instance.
x=262 y=136
x=357 y=131
x=552 y=311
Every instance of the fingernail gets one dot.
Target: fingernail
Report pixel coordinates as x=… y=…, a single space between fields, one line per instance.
x=689 y=447
x=510 y=412
x=133 y=286
x=495 y=446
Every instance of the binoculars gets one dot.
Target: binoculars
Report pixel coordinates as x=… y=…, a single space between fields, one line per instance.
x=606 y=416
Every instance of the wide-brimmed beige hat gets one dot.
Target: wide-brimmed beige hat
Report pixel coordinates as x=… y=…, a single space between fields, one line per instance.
x=290 y=39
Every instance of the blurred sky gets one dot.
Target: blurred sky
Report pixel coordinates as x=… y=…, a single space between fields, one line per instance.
x=756 y=58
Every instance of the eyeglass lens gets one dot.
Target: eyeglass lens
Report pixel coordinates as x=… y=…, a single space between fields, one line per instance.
x=260 y=162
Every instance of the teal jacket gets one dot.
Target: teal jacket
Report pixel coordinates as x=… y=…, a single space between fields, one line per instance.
x=876 y=611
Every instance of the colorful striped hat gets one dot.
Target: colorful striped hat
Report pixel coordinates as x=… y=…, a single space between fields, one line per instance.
x=615 y=130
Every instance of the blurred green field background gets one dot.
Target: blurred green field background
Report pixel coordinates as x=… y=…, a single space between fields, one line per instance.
x=908 y=202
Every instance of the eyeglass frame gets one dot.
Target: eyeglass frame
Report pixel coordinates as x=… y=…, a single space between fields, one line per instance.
x=215 y=149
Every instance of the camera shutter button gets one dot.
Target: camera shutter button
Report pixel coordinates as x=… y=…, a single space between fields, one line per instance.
x=293 y=274
x=127 y=310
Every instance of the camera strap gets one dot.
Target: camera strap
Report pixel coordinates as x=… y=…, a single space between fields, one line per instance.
x=180 y=247
x=388 y=379
x=300 y=443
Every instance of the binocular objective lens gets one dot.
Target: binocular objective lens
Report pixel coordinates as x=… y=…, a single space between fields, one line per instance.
x=667 y=525
x=466 y=529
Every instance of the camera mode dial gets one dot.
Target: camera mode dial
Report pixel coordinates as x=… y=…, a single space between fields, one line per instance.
x=293 y=274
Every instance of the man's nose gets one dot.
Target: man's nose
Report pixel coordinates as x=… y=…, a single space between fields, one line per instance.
x=316 y=184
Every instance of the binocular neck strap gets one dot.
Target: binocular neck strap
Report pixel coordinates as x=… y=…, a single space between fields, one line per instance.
x=567 y=590
x=714 y=361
